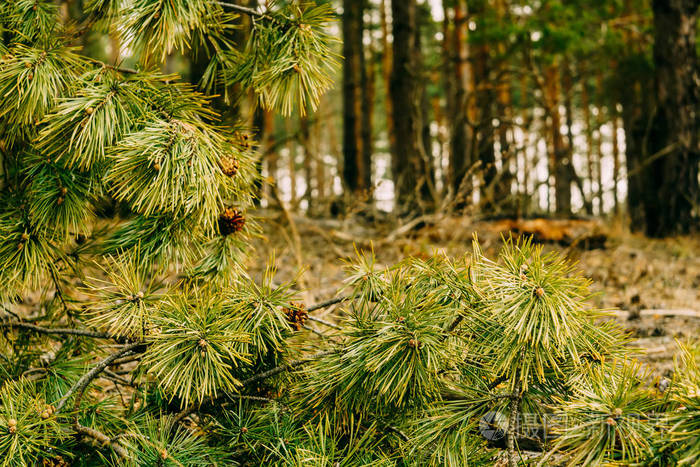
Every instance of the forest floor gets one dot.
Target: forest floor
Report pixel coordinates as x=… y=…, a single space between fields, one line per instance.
x=651 y=286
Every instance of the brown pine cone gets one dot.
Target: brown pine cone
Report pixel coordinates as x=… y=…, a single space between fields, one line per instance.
x=231 y=221
x=296 y=315
x=229 y=165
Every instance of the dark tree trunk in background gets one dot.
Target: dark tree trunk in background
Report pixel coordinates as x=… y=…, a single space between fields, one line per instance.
x=669 y=200
x=425 y=143
x=485 y=151
x=560 y=165
x=457 y=76
x=636 y=109
x=405 y=162
x=367 y=122
x=353 y=170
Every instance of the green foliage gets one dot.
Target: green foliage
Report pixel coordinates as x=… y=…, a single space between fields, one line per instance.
x=31 y=78
x=289 y=58
x=195 y=348
x=26 y=254
x=159 y=441
x=684 y=421
x=259 y=310
x=28 y=428
x=608 y=417
x=124 y=304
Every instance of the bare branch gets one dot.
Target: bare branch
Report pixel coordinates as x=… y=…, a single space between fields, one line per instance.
x=57 y=331
x=85 y=380
x=328 y=303
x=241 y=9
x=101 y=438
x=289 y=366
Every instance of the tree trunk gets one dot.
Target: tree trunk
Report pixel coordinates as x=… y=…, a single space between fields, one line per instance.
x=586 y=104
x=406 y=161
x=559 y=161
x=458 y=75
x=367 y=123
x=484 y=127
x=425 y=144
x=386 y=73
x=600 y=121
x=674 y=191
x=616 y=157
x=353 y=169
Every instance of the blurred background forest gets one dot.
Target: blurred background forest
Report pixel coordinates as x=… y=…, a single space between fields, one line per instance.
x=574 y=121
x=493 y=108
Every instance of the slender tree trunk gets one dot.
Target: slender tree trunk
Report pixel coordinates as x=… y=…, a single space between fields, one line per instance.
x=425 y=145
x=405 y=95
x=586 y=104
x=269 y=156
x=616 y=157
x=559 y=163
x=353 y=169
x=291 y=164
x=305 y=138
x=386 y=72
x=600 y=122
x=458 y=75
x=484 y=129
x=674 y=194
x=367 y=123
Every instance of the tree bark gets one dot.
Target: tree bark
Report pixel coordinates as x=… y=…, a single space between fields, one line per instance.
x=353 y=170
x=559 y=160
x=671 y=199
x=406 y=161
x=457 y=77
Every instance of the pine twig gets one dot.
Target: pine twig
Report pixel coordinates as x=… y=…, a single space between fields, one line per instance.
x=101 y=438
x=241 y=9
x=282 y=368
x=57 y=331
x=328 y=303
x=59 y=292
x=512 y=427
x=85 y=380
x=324 y=322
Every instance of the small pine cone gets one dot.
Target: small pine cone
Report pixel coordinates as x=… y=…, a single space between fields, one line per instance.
x=296 y=315
x=229 y=166
x=231 y=221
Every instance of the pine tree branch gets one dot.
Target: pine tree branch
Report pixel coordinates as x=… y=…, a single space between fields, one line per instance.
x=101 y=438
x=59 y=292
x=259 y=377
x=57 y=331
x=328 y=303
x=85 y=380
x=512 y=429
x=241 y=9
x=289 y=366
x=324 y=322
